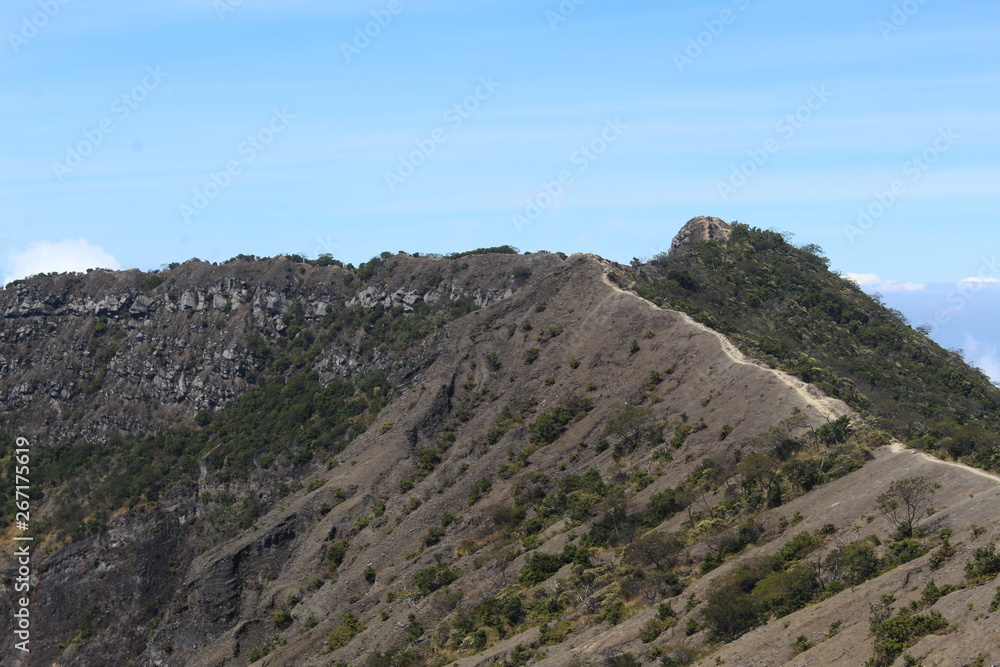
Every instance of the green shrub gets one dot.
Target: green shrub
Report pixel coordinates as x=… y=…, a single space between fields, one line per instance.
x=433 y=536
x=903 y=551
x=677 y=655
x=802 y=644
x=493 y=361
x=983 y=566
x=414 y=630
x=995 y=604
x=530 y=355
x=796 y=548
x=342 y=635
x=335 y=553
x=479 y=489
x=539 y=567
x=659 y=549
x=548 y=635
x=152 y=282
x=664 y=505
x=655 y=627
x=895 y=634
x=932 y=592
x=784 y=592
x=613 y=612
x=434 y=577
x=628 y=427
x=550 y=425
x=282 y=619
x=731 y=613
x=854 y=563
x=622 y=660
x=260 y=652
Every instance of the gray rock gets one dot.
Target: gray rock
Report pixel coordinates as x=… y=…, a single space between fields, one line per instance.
x=702 y=228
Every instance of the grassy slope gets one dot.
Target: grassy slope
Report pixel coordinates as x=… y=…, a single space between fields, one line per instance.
x=783 y=305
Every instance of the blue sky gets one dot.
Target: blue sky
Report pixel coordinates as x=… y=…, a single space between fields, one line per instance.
x=137 y=134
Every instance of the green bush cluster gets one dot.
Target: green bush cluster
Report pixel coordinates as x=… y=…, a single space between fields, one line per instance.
x=504 y=422
x=541 y=566
x=895 y=634
x=335 y=554
x=758 y=588
x=479 y=489
x=664 y=620
x=548 y=426
x=430 y=579
x=983 y=566
x=342 y=635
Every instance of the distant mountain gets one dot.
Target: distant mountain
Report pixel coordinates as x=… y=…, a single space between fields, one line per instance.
x=494 y=458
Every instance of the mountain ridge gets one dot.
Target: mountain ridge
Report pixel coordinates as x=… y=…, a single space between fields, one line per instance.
x=389 y=455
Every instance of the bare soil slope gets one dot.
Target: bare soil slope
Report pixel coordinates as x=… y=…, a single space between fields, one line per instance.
x=709 y=381
x=492 y=477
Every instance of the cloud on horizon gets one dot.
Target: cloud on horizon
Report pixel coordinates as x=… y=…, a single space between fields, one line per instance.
x=983 y=356
x=873 y=282
x=76 y=255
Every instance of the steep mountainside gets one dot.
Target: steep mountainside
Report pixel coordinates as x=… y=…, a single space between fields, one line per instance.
x=492 y=458
x=781 y=304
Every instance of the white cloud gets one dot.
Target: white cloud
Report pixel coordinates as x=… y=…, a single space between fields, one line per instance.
x=873 y=282
x=863 y=279
x=984 y=356
x=893 y=286
x=981 y=281
x=67 y=255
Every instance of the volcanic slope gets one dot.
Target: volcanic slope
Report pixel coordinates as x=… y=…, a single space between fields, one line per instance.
x=597 y=349
x=491 y=458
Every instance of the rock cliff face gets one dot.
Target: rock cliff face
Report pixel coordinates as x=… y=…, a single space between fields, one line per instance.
x=528 y=418
x=701 y=228
x=148 y=350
